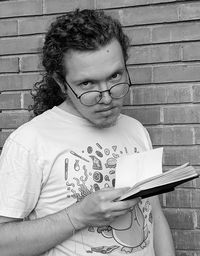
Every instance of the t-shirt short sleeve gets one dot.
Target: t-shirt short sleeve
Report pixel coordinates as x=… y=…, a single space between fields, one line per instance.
x=148 y=139
x=20 y=180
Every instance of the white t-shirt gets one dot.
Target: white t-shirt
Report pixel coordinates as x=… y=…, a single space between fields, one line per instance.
x=57 y=159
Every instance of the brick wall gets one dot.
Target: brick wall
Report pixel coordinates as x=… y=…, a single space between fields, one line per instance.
x=164 y=65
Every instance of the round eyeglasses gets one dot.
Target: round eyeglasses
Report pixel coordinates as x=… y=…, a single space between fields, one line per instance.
x=91 y=98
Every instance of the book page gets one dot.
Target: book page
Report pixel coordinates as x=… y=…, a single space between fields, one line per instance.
x=136 y=167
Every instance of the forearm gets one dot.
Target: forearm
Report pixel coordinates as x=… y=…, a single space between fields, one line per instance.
x=35 y=237
x=163 y=242
x=27 y=238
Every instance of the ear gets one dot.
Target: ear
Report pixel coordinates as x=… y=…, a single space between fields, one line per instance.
x=59 y=81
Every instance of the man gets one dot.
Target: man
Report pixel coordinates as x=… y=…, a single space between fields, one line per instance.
x=57 y=172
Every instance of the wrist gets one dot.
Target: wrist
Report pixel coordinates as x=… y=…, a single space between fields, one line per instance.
x=72 y=215
x=69 y=218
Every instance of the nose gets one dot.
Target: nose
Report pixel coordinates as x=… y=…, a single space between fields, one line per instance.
x=105 y=94
x=106 y=98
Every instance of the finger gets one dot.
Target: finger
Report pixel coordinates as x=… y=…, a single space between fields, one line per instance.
x=133 y=201
x=124 y=205
x=119 y=213
x=112 y=216
x=112 y=194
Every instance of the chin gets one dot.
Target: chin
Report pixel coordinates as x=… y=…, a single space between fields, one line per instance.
x=105 y=123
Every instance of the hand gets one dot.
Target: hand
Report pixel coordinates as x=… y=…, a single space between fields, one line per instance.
x=100 y=208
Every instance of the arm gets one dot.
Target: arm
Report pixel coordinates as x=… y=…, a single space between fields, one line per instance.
x=33 y=237
x=28 y=238
x=163 y=242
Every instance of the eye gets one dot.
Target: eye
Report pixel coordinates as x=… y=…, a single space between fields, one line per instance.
x=116 y=76
x=86 y=84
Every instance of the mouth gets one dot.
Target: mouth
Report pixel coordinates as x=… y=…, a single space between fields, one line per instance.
x=105 y=109
x=107 y=112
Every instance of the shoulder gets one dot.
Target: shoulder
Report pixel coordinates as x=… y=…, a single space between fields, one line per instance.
x=29 y=134
x=132 y=123
x=135 y=129
x=130 y=119
x=25 y=134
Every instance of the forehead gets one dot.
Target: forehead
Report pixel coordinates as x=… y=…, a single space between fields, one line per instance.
x=94 y=64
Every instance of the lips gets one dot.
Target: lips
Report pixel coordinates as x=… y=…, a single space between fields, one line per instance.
x=107 y=112
x=105 y=109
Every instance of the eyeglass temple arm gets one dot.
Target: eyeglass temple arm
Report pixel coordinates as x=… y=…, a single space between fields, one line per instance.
x=57 y=79
x=129 y=79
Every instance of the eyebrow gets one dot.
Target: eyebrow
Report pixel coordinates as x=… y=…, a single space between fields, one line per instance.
x=119 y=70
x=85 y=79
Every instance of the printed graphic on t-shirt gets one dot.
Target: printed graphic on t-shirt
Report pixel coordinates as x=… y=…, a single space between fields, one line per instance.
x=91 y=169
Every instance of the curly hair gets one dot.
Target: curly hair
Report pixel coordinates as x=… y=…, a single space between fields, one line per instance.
x=81 y=30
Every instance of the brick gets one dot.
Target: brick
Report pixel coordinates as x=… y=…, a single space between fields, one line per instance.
x=197 y=181
x=10 y=101
x=150 y=115
x=141 y=74
x=115 y=14
x=180 y=114
x=176 y=32
x=189 y=184
x=30 y=63
x=29 y=44
x=177 y=93
x=191 y=51
x=34 y=26
x=51 y=6
x=187 y=240
x=20 y=8
x=187 y=253
x=174 y=93
x=154 y=54
x=182 y=219
x=18 y=82
x=27 y=100
x=140 y=35
x=9 y=65
x=12 y=120
x=189 y=11
x=147 y=15
x=183 y=198
x=197 y=135
x=179 y=155
x=198 y=218
x=8 y=27
x=176 y=73
x=196 y=92
x=172 y=135
x=104 y=4
x=3 y=137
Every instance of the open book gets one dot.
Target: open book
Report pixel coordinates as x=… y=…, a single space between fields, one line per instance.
x=143 y=173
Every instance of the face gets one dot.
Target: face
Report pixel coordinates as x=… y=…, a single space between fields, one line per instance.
x=95 y=70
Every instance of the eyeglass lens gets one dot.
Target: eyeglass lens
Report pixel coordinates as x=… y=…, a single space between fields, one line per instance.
x=116 y=92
